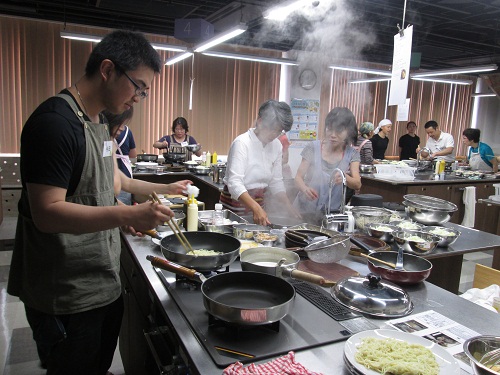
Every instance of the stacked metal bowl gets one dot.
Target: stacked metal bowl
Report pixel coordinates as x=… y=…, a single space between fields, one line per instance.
x=428 y=210
x=364 y=215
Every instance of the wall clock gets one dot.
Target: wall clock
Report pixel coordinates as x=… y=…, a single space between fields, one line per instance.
x=307 y=79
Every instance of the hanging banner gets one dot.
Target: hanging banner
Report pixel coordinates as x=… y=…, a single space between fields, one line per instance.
x=403 y=111
x=401 y=67
x=305 y=120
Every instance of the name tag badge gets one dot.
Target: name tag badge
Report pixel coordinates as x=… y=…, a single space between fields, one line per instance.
x=107 y=149
x=184 y=144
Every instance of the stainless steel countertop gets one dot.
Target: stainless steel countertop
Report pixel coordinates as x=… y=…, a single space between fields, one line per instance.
x=186 y=174
x=328 y=358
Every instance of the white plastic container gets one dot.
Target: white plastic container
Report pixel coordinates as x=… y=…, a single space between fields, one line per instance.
x=192 y=217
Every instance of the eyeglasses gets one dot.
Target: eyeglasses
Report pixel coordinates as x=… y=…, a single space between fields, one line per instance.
x=140 y=92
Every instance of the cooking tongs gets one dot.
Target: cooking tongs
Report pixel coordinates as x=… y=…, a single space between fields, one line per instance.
x=175 y=228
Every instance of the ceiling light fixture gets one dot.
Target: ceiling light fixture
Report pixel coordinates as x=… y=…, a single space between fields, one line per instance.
x=220 y=38
x=97 y=39
x=282 y=11
x=477 y=95
x=444 y=80
x=179 y=57
x=237 y=56
x=368 y=80
x=465 y=70
x=362 y=70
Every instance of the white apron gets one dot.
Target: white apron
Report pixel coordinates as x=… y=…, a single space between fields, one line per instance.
x=124 y=158
x=476 y=162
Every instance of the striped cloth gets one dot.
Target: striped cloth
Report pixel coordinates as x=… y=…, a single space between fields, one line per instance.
x=285 y=365
x=238 y=207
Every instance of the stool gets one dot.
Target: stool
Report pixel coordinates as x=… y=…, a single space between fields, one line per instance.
x=373 y=200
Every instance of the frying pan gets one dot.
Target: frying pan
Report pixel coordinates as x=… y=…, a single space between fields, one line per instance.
x=415 y=269
x=267 y=260
x=243 y=297
x=147 y=157
x=173 y=250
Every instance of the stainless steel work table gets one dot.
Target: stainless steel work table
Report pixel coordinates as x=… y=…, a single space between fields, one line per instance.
x=328 y=358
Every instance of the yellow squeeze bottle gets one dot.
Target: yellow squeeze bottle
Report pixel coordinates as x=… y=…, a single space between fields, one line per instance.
x=214 y=158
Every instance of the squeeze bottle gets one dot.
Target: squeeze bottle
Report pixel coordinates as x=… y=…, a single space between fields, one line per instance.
x=214 y=158
x=209 y=159
x=192 y=217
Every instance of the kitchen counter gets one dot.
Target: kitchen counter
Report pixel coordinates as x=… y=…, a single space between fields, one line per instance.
x=209 y=190
x=451 y=189
x=326 y=359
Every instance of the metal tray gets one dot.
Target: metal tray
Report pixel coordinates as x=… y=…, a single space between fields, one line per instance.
x=205 y=221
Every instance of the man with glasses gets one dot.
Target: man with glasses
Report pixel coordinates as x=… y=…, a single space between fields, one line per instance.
x=65 y=265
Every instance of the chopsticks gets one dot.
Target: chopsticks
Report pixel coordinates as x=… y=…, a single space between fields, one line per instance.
x=359 y=253
x=175 y=228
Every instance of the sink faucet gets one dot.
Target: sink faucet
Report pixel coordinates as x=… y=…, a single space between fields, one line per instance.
x=418 y=155
x=330 y=187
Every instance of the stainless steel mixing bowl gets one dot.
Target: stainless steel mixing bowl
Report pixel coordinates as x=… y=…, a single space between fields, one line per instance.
x=364 y=215
x=478 y=346
x=446 y=240
x=405 y=239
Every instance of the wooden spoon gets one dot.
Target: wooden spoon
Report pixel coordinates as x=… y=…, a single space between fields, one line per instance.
x=358 y=253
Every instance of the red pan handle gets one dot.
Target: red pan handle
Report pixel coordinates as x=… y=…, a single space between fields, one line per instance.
x=174 y=267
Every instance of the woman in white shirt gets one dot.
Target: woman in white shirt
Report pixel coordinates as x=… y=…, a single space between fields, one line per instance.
x=254 y=170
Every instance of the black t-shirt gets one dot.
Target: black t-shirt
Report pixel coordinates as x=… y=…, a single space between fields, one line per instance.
x=379 y=145
x=53 y=146
x=408 y=146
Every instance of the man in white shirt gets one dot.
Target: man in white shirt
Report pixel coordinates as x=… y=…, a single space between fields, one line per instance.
x=441 y=144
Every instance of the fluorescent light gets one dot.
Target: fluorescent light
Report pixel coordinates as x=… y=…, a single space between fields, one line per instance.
x=444 y=80
x=168 y=47
x=220 y=38
x=362 y=70
x=237 y=56
x=484 y=95
x=179 y=57
x=81 y=36
x=469 y=69
x=97 y=39
x=282 y=11
x=367 y=80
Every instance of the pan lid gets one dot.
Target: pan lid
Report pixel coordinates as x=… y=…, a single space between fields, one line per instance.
x=372 y=296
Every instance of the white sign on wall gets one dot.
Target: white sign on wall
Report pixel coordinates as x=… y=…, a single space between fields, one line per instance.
x=401 y=67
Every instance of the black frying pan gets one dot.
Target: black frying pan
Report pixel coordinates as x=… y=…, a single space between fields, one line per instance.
x=229 y=246
x=250 y=298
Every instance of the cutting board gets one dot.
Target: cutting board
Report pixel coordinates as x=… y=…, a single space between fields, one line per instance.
x=330 y=271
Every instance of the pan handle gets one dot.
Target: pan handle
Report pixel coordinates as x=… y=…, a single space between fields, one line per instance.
x=306 y=276
x=361 y=244
x=175 y=268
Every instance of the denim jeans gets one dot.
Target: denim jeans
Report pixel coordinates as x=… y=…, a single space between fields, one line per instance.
x=81 y=343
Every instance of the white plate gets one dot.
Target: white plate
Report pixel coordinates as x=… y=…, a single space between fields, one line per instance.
x=447 y=363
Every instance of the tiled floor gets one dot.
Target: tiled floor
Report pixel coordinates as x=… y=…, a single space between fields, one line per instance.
x=17 y=349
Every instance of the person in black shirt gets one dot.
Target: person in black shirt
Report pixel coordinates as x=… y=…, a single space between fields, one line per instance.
x=408 y=143
x=380 y=140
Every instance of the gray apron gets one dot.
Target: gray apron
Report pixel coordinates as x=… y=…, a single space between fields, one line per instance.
x=319 y=180
x=61 y=273
x=476 y=162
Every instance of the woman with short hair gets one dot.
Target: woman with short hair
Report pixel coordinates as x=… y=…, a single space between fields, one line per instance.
x=480 y=155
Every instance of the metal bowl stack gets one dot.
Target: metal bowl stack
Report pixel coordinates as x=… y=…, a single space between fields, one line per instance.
x=476 y=348
x=364 y=215
x=428 y=210
x=407 y=239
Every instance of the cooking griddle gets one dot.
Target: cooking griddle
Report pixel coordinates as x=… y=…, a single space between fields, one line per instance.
x=306 y=326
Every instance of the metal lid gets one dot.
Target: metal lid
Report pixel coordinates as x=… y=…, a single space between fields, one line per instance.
x=372 y=296
x=425 y=201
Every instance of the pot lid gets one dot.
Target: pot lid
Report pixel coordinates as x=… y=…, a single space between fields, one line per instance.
x=372 y=296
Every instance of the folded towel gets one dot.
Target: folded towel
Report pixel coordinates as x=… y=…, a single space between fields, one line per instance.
x=285 y=365
x=469 y=199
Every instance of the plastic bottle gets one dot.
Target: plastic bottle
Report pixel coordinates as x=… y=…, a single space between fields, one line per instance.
x=214 y=158
x=204 y=158
x=436 y=168
x=218 y=218
x=192 y=217
x=209 y=159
